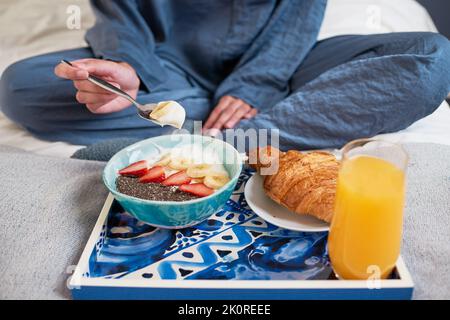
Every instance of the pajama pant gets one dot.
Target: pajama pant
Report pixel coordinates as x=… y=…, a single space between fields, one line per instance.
x=348 y=87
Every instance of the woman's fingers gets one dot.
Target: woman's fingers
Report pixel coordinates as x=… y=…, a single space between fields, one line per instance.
x=227 y=114
x=215 y=114
x=87 y=97
x=87 y=86
x=224 y=116
x=92 y=107
x=114 y=105
x=240 y=112
x=72 y=73
x=83 y=67
x=101 y=68
x=253 y=112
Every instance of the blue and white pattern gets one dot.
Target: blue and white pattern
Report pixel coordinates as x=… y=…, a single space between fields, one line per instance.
x=234 y=243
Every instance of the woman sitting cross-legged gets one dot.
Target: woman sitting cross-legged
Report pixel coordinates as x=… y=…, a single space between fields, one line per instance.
x=248 y=65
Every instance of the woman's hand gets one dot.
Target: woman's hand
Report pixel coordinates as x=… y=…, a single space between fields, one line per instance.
x=228 y=112
x=97 y=99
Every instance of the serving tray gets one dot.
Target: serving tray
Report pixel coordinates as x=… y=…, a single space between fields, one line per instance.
x=232 y=255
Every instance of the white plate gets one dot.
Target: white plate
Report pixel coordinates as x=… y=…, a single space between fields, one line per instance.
x=278 y=215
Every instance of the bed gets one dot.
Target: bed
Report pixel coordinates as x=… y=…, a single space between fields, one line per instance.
x=38 y=257
x=42 y=28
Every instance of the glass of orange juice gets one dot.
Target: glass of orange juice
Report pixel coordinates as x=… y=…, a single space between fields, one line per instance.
x=366 y=230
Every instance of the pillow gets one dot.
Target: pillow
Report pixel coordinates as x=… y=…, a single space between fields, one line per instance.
x=374 y=16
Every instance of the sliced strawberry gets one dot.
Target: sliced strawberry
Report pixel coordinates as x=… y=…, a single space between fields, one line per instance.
x=197 y=189
x=155 y=174
x=136 y=169
x=177 y=179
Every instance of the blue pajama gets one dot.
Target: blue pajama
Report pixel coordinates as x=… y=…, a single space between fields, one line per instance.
x=318 y=94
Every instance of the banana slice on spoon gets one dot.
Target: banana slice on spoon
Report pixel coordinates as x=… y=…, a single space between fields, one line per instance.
x=168 y=113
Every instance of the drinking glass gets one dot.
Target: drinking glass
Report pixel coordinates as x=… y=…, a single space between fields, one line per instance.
x=366 y=230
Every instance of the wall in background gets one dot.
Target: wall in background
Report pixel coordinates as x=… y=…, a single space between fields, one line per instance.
x=440 y=11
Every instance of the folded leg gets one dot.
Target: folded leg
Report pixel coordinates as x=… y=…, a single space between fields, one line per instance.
x=359 y=86
x=33 y=97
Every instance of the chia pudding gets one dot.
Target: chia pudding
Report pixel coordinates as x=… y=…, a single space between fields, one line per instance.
x=151 y=191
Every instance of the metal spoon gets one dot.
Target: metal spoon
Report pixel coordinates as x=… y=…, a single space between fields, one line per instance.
x=143 y=110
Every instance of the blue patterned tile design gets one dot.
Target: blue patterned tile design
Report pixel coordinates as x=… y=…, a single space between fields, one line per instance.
x=234 y=243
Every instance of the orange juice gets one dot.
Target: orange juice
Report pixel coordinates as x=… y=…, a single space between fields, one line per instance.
x=366 y=229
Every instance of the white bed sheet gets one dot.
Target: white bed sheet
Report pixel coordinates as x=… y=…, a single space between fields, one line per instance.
x=31 y=27
x=432 y=129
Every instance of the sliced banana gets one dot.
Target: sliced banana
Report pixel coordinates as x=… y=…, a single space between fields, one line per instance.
x=216 y=181
x=199 y=170
x=180 y=163
x=218 y=170
x=164 y=160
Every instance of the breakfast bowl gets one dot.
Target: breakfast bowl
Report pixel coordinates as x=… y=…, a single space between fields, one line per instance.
x=174 y=214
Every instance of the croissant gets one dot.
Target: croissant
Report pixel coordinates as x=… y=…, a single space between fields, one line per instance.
x=305 y=183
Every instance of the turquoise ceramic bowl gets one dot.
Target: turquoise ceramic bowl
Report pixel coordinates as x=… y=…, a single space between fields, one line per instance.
x=171 y=214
